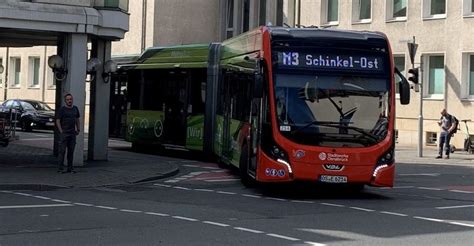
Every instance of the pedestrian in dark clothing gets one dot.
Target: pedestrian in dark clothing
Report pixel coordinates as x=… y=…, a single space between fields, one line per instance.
x=447 y=124
x=67 y=122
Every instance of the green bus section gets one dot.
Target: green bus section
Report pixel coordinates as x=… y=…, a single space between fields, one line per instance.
x=195 y=132
x=181 y=56
x=144 y=126
x=235 y=148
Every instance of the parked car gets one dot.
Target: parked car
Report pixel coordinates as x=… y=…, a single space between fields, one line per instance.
x=30 y=114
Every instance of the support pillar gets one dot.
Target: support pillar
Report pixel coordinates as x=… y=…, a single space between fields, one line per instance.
x=99 y=105
x=74 y=53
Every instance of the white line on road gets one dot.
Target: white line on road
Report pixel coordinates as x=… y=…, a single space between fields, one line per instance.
x=450 y=207
x=42 y=197
x=220 y=180
x=363 y=209
x=392 y=213
x=248 y=230
x=163 y=185
x=184 y=218
x=205 y=190
x=252 y=196
x=158 y=214
x=227 y=193
x=332 y=204
x=276 y=199
x=130 y=211
x=61 y=201
x=105 y=207
x=428 y=188
x=283 y=237
x=36 y=206
x=181 y=188
x=403 y=187
x=83 y=204
x=429 y=219
x=215 y=223
x=420 y=174
x=314 y=244
x=460 y=224
x=301 y=201
x=462 y=191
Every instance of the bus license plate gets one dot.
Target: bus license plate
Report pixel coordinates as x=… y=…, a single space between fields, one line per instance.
x=333 y=179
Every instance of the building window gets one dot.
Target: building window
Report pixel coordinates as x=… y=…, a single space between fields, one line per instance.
x=399 y=62
x=1 y=74
x=467 y=91
x=16 y=71
x=431 y=138
x=229 y=29
x=34 y=70
x=396 y=10
x=330 y=12
x=361 y=10
x=468 y=7
x=436 y=75
x=434 y=8
x=246 y=16
x=262 y=15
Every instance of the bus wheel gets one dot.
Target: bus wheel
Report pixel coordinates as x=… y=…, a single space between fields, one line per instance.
x=245 y=178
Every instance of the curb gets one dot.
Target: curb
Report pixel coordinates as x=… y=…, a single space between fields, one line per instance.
x=161 y=176
x=33 y=187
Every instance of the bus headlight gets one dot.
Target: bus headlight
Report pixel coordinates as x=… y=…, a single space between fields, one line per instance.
x=384 y=161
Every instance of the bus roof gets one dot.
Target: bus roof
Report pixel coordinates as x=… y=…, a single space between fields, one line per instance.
x=178 y=56
x=327 y=36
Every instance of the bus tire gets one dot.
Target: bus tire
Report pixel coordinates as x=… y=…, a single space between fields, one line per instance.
x=245 y=178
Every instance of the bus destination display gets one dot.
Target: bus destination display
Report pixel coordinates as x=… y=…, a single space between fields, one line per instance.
x=330 y=61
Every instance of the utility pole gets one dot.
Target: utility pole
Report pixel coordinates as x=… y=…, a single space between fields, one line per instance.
x=5 y=85
x=417 y=78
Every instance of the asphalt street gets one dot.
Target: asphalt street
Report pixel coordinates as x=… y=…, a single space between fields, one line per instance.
x=207 y=205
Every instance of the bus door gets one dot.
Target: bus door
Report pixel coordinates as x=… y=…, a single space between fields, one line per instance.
x=228 y=108
x=175 y=109
x=255 y=126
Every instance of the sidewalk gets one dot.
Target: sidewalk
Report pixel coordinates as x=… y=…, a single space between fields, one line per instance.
x=29 y=164
x=409 y=154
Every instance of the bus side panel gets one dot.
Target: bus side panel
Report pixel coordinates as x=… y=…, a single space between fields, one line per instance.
x=195 y=132
x=144 y=126
x=219 y=133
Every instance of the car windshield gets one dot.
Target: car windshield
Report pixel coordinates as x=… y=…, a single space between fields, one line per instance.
x=34 y=105
x=334 y=111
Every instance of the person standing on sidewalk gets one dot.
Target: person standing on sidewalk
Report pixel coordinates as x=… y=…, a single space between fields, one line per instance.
x=447 y=124
x=67 y=122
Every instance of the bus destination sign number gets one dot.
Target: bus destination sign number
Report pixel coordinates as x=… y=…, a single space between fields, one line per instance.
x=329 y=61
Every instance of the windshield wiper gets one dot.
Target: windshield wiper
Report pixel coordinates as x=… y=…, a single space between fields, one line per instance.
x=338 y=125
x=319 y=123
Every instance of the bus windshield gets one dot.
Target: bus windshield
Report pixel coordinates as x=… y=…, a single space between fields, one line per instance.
x=332 y=110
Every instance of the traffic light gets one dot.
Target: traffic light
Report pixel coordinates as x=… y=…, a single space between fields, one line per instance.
x=414 y=75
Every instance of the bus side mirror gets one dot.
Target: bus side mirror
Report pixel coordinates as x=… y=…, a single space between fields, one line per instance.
x=258 y=85
x=404 y=89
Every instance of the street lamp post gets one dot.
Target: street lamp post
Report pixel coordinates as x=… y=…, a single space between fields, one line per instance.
x=418 y=87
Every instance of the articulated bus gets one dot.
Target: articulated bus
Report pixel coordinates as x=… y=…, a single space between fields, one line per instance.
x=280 y=104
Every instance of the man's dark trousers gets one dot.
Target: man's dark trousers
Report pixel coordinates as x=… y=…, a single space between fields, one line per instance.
x=444 y=140
x=67 y=141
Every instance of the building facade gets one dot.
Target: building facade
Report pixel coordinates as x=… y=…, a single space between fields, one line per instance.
x=443 y=30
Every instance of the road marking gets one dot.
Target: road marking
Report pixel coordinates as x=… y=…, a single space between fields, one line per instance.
x=429 y=219
x=420 y=174
x=276 y=199
x=22 y=194
x=42 y=197
x=392 y=213
x=158 y=214
x=219 y=180
x=227 y=193
x=462 y=191
x=363 y=209
x=215 y=223
x=283 y=237
x=248 y=230
x=83 y=204
x=403 y=187
x=252 y=196
x=163 y=185
x=205 y=190
x=460 y=224
x=314 y=244
x=181 y=188
x=301 y=201
x=105 y=207
x=130 y=211
x=61 y=201
x=450 y=207
x=36 y=206
x=428 y=188
x=332 y=204
x=185 y=218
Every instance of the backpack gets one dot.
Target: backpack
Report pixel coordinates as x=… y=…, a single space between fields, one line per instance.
x=454 y=120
